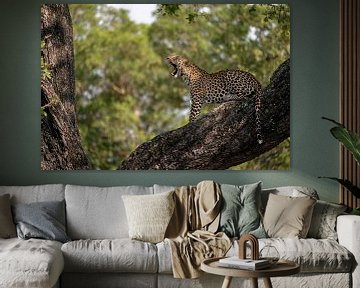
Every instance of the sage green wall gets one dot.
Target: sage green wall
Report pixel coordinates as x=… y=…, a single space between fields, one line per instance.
x=314 y=93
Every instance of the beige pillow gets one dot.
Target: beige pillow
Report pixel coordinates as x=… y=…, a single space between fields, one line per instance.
x=149 y=215
x=7 y=226
x=288 y=217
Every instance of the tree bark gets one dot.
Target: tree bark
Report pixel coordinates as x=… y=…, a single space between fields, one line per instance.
x=60 y=138
x=224 y=137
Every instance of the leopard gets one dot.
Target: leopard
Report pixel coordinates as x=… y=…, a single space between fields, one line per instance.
x=219 y=87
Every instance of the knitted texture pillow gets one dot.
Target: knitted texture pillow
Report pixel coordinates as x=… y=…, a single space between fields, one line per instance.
x=148 y=215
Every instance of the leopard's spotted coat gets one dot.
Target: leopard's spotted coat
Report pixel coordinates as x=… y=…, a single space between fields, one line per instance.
x=218 y=87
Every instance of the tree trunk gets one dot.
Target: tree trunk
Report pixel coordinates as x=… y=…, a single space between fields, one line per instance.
x=224 y=137
x=60 y=138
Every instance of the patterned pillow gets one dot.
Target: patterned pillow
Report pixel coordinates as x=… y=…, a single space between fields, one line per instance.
x=323 y=222
x=240 y=213
x=149 y=215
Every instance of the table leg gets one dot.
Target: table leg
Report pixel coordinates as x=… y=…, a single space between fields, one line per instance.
x=254 y=282
x=267 y=283
x=227 y=282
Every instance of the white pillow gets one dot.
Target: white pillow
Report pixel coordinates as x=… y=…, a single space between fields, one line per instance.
x=149 y=215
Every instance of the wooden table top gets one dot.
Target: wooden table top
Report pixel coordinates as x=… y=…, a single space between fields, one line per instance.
x=281 y=268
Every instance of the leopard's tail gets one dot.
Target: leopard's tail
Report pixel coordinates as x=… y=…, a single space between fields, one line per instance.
x=259 y=135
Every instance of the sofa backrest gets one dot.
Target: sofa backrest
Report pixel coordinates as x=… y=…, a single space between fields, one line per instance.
x=35 y=193
x=98 y=212
x=293 y=191
x=162 y=188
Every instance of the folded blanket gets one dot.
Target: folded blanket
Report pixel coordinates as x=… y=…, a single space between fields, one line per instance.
x=191 y=231
x=190 y=251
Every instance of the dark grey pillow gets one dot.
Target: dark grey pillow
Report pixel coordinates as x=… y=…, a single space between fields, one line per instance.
x=240 y=213
x=44 y=220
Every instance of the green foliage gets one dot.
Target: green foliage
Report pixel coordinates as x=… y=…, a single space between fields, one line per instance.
x=347 y=184
x=351 y=141
x=355 y=211
x=279 y=14
x=125 y=94
x=348 y=138
x=168 y=9
x=252 y=41
x=176 y=9
x=277 y=158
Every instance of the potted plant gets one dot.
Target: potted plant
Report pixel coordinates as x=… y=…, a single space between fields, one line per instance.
x=351 y=141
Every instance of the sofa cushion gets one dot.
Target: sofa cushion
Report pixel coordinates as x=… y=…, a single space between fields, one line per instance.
x=149 y=215
x=313 y=255
x=117 y=255
x=291 y=191
x=323 y=222
x=7 y=226
x=43 y=220
x=164 y=257
x=240 y=210
x=287 y=216
x=35 y=193
x=30 y=263
x=98 y=213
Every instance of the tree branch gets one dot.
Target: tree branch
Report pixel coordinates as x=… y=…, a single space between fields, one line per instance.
x=223 y=138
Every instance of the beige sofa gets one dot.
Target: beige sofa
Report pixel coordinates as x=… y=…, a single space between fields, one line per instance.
x=101 y=254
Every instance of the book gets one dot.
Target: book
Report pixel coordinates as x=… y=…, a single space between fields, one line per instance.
x=248 y=264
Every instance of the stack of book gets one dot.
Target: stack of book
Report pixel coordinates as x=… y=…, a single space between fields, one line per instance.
x=248 y=264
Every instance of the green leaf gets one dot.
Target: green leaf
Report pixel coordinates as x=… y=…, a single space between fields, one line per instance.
x=355 y=211
x=348 y=138
x=333 y=121
x=347 y=184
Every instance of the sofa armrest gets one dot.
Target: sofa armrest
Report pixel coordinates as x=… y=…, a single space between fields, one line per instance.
x=348 y=230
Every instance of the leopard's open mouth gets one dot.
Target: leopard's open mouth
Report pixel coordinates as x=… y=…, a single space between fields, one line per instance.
x=175 y=71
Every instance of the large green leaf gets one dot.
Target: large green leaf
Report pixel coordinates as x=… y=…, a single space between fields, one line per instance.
x=348 y=185
x=348 y=138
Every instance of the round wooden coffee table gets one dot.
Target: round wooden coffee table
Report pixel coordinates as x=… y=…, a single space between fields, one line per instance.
x=281 y=268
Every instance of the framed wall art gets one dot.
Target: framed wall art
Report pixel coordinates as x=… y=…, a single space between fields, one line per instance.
x=165 y=87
